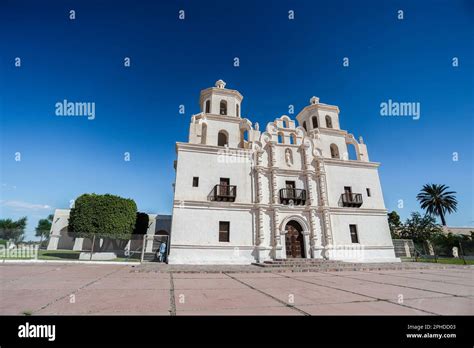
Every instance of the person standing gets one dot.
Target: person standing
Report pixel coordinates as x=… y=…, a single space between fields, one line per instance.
x=162 y=252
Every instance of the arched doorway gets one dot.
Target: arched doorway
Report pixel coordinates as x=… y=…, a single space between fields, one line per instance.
x=294 y=241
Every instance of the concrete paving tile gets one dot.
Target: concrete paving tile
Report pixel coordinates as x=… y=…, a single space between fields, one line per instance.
x=444 y=272
x=15 y=302
x=134 y=273
x=453 y=289
x=199 y=276
x=445 y=305
x=282 y=283
x=12 y=271
x=112 y=302
x=333 y=281
x=307 y=274
x=438 y=278
x=122 y=289
x=227 y=283
x=360 y=308
x=313 y=295
x=451 y=274
x=255 y=275
x=138 y=283
x=219 y=299
x=387 y=291
x=46 y=283
x=87 y=271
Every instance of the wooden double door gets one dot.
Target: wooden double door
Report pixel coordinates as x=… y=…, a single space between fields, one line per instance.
x=294 y=240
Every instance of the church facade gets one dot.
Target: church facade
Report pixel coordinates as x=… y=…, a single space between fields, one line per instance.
x=289 y=190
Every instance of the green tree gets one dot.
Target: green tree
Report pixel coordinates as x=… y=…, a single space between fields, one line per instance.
x=420 y=228
x=141 y=225
x=437 y=200
x=445 y=242
x=13 y=230
x=103 y=216
x=395 y=224
x=44 y=227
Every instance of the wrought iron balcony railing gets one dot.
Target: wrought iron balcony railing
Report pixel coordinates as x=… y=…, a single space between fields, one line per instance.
x=297 y=196
x=226 y=193
x=351 y=200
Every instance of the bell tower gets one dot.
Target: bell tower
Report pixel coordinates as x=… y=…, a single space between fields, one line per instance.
x=219 y=100
x=318 y=115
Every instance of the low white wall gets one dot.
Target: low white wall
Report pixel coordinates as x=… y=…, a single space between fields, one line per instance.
x=202 y=255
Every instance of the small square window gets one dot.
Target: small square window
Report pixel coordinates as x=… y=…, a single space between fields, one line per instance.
x=224 y=231
x=368 y=192
x=195 y=181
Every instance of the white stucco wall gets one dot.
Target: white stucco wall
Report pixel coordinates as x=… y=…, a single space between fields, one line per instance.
x=371 y=229
x=210 y=167
x=195 y=236
x=359 y=179
x=200 y=226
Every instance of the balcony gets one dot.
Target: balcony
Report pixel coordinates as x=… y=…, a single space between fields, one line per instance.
x=353 y=200
x=297 y=196
x=224 y=193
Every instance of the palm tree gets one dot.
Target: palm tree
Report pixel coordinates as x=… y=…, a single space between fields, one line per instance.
x=437 y=201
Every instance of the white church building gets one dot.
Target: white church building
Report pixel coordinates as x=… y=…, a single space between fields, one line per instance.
x=289 y=190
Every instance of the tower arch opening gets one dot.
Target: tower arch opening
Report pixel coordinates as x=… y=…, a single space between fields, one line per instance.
x=334 y=151
x=328 y=121
x=223 y=107
x=222 y=138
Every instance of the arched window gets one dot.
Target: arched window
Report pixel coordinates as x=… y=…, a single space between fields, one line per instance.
x=244 y=137
x=208 y=107
x=222 y=138
x=328 y=121
x=315 y=122
x=237 y=110
x=292 y=139
x=304 y=126
x=352 y=152
x=223 y=107
x=204 y=134
x=286 y=124
x=334 y=151
x=281 y=138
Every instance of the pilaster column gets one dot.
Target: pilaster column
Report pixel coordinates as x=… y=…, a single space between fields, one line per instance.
x=274 y=184
x=323 y=197
x=276 y=227
x=278 y=248
x=313 y=222
x=261 y=236
x=308 y=172
x=259 y=188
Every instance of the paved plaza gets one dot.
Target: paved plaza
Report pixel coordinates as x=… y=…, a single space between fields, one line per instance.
x=49 y=289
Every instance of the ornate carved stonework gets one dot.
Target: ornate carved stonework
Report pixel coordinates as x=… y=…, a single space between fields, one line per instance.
x=261 y=236
x=276 y=220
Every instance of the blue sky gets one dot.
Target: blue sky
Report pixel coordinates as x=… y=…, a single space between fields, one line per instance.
x=282 y=62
